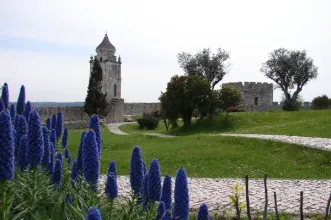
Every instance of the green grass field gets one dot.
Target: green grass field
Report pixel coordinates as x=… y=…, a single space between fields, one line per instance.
x=302 y=123
x=213 y=156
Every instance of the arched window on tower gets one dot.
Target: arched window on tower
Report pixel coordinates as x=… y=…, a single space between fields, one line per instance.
x=115 y=91
x=100 y=58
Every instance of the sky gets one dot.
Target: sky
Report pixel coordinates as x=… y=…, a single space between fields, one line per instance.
x=46 y=45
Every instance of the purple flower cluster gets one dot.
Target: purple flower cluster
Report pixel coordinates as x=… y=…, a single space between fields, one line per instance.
x=94 y=124
x=93 y=214
x=91 y=160
x=57 y=175
x=80 y=154
x=5 y=95
x=21 y=129
x=136 y=170
x=22 y=159
x=27 y=110
x=59 y=125
x=21 y=101
x=35 y=140
x=6 y=147
x=154 y=181
x=65 y=138
x=2 y=106
x=49 y=124
x=111 y=189
x=54 y=122
x=46 y=157
x=112 y=168
x=181 y=205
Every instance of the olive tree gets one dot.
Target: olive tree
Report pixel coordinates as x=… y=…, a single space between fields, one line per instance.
x=290 y=70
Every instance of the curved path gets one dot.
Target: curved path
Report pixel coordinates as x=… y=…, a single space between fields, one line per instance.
x=115 y=128
x=215 y=192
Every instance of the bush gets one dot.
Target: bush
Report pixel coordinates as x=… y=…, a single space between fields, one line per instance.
x=148 y=122
x=321 y=102
x=140 y=123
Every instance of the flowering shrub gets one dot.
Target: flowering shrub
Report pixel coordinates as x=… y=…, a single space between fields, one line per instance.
x=149 y=122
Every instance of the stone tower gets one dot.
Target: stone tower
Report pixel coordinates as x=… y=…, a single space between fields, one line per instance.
x=111 y=69
x=111 y=79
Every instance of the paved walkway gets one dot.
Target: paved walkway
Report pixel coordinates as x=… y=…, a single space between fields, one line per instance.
x=115 y=127
x=313 y=142
x=215 y=193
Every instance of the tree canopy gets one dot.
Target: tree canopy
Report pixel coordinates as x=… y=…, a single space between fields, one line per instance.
x=290 y=70
x=184 y=94
x=228 y=97
x=95 y=102
x=211 y=67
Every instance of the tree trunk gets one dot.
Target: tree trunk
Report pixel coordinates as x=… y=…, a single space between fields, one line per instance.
x=227 y=117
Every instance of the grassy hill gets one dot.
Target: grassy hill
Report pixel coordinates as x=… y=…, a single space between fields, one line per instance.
x=302 y=123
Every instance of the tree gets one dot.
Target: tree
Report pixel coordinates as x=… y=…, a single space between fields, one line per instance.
x=289 y=70
x=211 y=67
x=184 y=94
x=169 y=113
x=321 y=102
x=95 y=102
x=229 y=97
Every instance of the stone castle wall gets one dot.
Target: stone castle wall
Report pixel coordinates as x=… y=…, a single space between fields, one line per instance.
x=75 y=118
x=140 y=108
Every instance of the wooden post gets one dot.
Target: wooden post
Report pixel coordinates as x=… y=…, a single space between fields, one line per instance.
x=327 y=208
x=301 y=205
x=266 y=198
x=247 y=199
x=276 y=207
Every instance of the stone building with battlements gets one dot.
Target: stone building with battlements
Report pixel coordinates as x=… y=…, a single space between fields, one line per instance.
x=254 y=94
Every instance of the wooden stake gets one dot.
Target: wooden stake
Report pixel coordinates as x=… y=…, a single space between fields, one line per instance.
x=276 y=207
x=266 y=198
x=247 y=199
x=327 y=208
x=301 y=205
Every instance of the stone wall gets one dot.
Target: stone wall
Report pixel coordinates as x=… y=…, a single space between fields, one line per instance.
x=75 y=118
x=74 y=113
x=140 y=108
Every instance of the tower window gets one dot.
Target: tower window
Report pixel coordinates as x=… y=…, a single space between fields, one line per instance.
x=115 y=91
x=256 y=101
x=100 y=58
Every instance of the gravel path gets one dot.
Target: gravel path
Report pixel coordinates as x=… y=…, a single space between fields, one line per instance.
x=313 y=142
x=215 y=193
x=115 y=127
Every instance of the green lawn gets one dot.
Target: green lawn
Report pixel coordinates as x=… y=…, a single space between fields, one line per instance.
x=214 y=156
x=303 y=123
